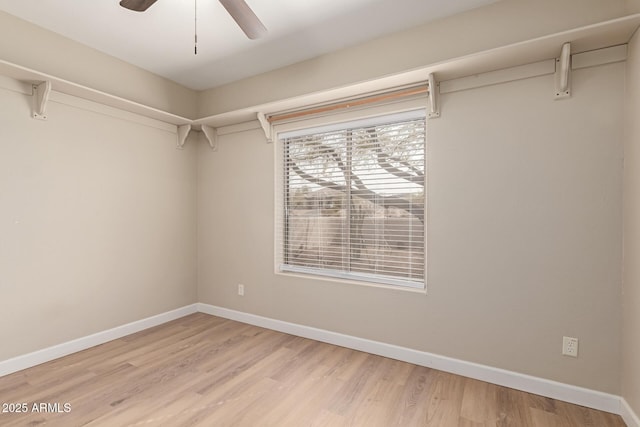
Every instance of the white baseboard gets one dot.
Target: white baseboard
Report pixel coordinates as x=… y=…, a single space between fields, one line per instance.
x=627 y=414
x=50 y=353
x=555 y=390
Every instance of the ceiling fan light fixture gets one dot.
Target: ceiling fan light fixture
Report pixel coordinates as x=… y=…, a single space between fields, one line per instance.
x=239 y=10
x=137 y=5
x=245 y=18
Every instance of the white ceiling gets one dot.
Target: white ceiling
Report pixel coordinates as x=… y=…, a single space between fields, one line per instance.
x=161 y=39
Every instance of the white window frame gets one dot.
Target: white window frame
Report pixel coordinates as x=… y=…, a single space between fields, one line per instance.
x=405 y=109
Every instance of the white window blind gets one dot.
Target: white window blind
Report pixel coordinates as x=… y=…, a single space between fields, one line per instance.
x=354 y=200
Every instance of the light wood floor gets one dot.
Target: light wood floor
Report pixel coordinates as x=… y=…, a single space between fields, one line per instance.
x=202 y=370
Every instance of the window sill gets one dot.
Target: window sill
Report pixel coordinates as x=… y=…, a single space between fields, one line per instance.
x=422 y=291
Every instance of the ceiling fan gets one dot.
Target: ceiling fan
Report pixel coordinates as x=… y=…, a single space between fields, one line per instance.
x=238 y=9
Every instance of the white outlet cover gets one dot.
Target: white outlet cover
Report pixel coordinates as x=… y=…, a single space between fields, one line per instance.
x=570 y=346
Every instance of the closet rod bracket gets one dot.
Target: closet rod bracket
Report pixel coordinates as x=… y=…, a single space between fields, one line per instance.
x=267 y=128
x=183 y=133
x=211 y=134
x=434 y=102
x=41 y=92
x=563 y=73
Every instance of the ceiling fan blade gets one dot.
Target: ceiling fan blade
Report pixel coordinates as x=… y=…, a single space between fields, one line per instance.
x=137 y=5
x=245 y=18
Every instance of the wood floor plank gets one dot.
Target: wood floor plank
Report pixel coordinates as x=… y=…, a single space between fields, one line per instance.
x=478 y=403
x=328 y=419
x=203 y=370
x=445 y=397
x=381 y=391
x=412 y=402
x=313 y=394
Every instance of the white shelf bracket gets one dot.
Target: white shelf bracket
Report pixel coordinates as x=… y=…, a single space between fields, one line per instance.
x=434 y=101
x=212 y=136
x=40 y=98
x=563 y=73
x=266 y=127
x=183 y=132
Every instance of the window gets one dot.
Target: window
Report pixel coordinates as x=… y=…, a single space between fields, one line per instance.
x=353 y=200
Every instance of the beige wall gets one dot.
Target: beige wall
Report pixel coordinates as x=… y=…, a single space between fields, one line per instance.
x=524 y=235
x=631 y=289
x=30 y=46
x=97 y=225
x=499 y=24
x=633 y=6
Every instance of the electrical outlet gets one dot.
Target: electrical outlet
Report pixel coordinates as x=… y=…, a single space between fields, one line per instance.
x=241 y=290
x=570 y=346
